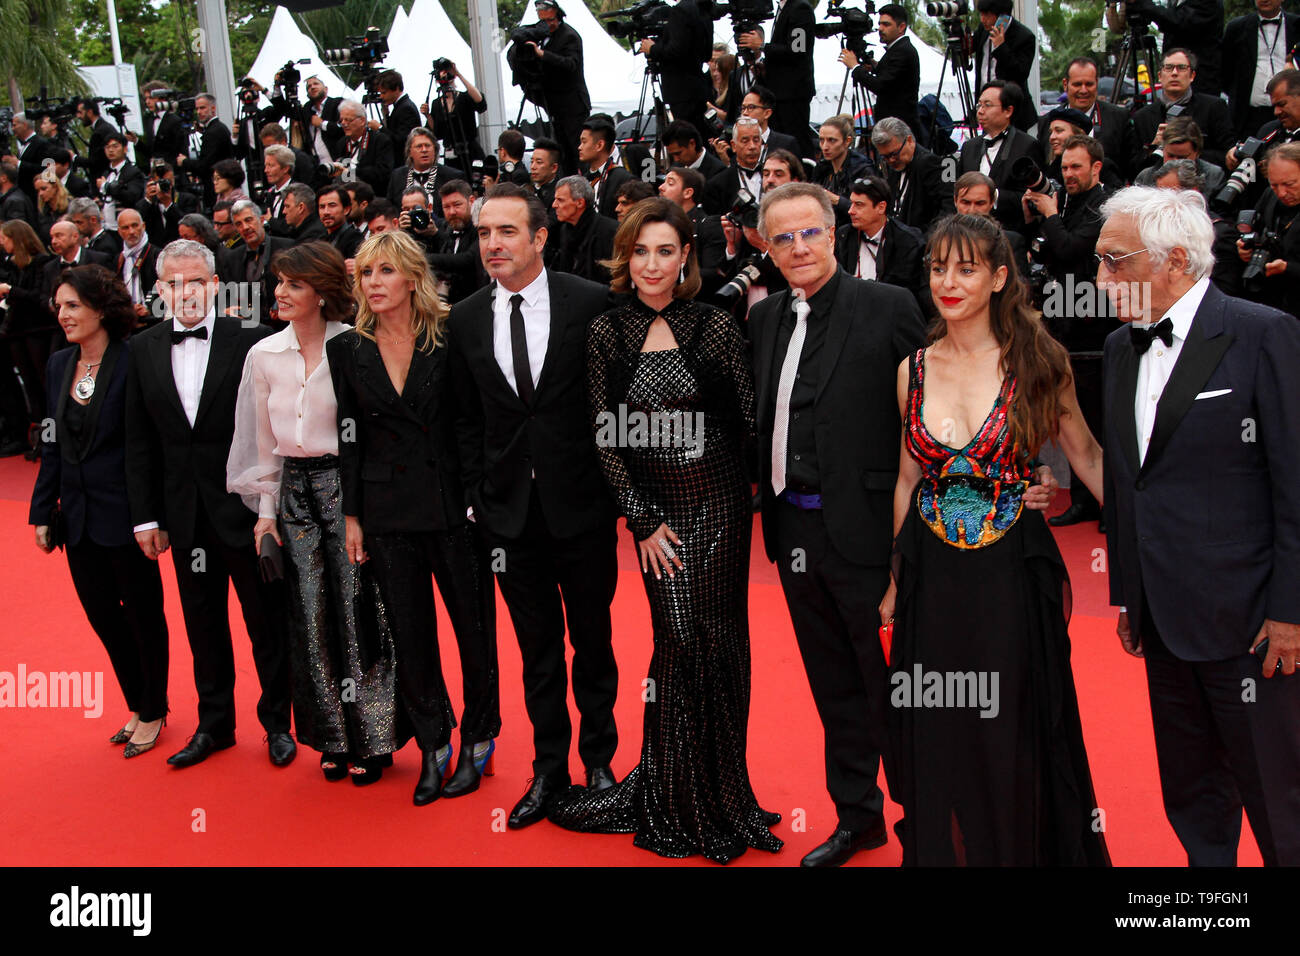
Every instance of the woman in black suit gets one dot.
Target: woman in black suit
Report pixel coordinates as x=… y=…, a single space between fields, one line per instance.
x=80 y=496
x=24 y=329
x=401 y=484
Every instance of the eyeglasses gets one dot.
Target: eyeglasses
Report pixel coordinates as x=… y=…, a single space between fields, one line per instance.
x=1176 y=68
x=752 y=108
x=1111 y=261
x=890 y=157
x=785 y=240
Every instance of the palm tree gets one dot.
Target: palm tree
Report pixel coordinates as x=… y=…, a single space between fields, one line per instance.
x=31 y=53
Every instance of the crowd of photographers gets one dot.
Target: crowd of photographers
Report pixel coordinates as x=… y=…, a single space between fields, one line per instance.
x=338 y=170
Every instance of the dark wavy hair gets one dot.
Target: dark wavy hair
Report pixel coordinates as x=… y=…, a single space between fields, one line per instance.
x=321 y=266
x=642 y=214
x=1039 y=363
x=104 y=292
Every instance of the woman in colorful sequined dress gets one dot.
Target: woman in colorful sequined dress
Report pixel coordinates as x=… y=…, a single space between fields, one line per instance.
x=672 y=401
x=984 y=720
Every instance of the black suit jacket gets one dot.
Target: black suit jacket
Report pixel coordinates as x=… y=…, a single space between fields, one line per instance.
x=1011 y=61
x=929 y=192
x=398 y=467
x=96 y=162
x=682 y=52
x=346 y=239
x=106 y=243
x=164 y=139
x=710 y=165
x=463 y=269
x=87 y=482
x=441 y=176
x=147 y=264
x=1018 y=143
x=163 y=225
x=895 y=82
x=579 y=249
x=30 y=163
x=173 y=468
x=330 y=129
x=789 y=62
x=563 y=81
x=52 y=269
x=233 y=266
x=214 y=146
x=1210 y=114
x=607 y=200
x=873 y=327
x=17 y=205
x=375 y=165
x=898 y=260
x=1196 y=25
x=77 y=186
x=1214 y=556
x=506 y=446
x=310 y=229
x=128 y=188
x=1241 y=42
x=403 y=117
x=777 y=140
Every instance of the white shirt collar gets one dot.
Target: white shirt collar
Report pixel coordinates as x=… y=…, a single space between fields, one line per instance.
x=1184 y=310
x=118 y=167
x=209 y=322
x=287 y=338
x=533 y=293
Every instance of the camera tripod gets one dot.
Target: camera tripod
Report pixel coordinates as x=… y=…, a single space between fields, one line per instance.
x=859 y=100
x=954 y=55
x=1136 y=44
x=460 y=144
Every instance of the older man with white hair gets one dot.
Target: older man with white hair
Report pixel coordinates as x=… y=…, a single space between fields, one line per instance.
x=180 y=412
x=1202 y=443
x=365 y=155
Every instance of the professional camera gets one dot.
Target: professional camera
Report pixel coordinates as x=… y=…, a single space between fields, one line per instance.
x=646 y=20
x=530 y=33
x=114 y=107
x=445 y=72
x=290 y=76
x=363 y=53
x=744 y=212
x=1124 y=17
x=746 y=17
x=853 y=25
x=1249 y=154
x=1265 y=245
x=947 y=9
x=419 y=217
x=1026 y=174
x=248 y=92
x=738 y=288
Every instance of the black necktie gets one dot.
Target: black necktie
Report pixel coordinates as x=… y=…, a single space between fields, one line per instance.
x=519 y=348
x=1141 y=338
x=180 y=336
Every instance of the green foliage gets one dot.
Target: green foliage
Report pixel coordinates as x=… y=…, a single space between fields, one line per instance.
x=1073 y=29
x=33 y=50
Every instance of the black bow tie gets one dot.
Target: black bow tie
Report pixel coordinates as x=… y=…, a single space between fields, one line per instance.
x=748 y=172
x=1141 y=338
x=180 y=336
x=871 y=242
x=1276 y=21
x=990 y=140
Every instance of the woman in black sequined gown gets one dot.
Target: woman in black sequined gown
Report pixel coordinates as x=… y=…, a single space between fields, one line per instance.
x=673 y=405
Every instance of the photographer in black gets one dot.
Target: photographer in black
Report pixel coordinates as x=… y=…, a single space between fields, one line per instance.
x=561 y=86
x=918 y=179
x=1182 y=140
x=895 y=78
x=1272 y=249
x=788 y=69
x=681 y=57
x=122 y=185
x=451 y=114
x=1195 y=25
x=88 y=113
x=876 y=246
x=400 y=114
x=305 y=168
x=209 y=143
x=164 y=133
x=596 y=162
x=1178 y=71
x=1078 y=315
x=1284 y=92
x=367 y=154
x=1004 y=50
x=163 y=205
x=510 y=158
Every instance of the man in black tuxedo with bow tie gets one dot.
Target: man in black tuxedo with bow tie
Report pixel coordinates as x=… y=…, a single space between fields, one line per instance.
x=826 y=356
x=1005 y=53
x=1205 y=569
x=518 y=355
x=895 y=78
x=209 y=144
x=1257 y=46
x=788 y=68
x=180 y=422
x=995 y=152
x=876 y=246
x=1195 y=25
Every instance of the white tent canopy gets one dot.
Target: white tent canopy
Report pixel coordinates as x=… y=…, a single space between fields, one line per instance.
x=284 y=42
x=416 y=41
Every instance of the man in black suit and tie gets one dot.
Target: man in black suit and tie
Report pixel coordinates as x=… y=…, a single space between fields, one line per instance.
x=875 y=246
x=686 y=147
x=1177 y=98
x=826 y=356
x=137 y=264
x=995 y=151
x=14 y=203
x=1205 y=569
x=1112 y=125
x=164 y=134
x=366 y=154
x=209 y=144
x=163 y=206
x=744 y=178
x=319 y=117
x=85 y=214
x=332 y=207
x=1005 y=53
x=920 y=182
x=1195 y=25
x=564 y=87
x=1256 y=46
x=680 y=57
x=595 y=158
x=247 y=266
x=457 y=260
x=401 y=115
x=30 y=152
x=100 y=128
x=66 y=244
x=544 y=173
x=895 y=78
x=180 y=422
x=300 y=215
x=788 y=69
x=758 y=103
x=122 y=185
x=518 y=357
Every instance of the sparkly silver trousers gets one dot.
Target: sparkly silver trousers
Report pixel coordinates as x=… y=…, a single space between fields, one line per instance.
x=344 y=694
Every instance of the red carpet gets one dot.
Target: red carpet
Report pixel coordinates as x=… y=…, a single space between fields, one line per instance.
x=71 y=800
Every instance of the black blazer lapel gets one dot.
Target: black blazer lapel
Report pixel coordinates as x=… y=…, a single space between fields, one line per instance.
x=419 y=385
x=764 y=357
x=66 y=448
x=841 y=318
x=160 y=353
x=103 y=382
x=560 y=328
x=1121 y=408
x=1199 y=357
x=221 y=354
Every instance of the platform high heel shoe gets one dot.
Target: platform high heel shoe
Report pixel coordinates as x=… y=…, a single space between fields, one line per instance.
x=476 y=761
x=436 y=763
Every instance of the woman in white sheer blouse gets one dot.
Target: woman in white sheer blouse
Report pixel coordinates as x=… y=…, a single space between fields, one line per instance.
x=284 y=462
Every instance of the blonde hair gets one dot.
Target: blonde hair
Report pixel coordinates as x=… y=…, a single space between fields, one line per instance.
x=428 y=314
x=61 y=195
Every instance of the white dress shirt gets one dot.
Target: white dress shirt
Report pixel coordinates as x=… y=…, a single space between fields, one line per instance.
x=1270 y=56
x=1157 y=363
x=110 y=207
x=867 y=254
x=993 y=150
x=282 y=412
x=190 y=365
x=536 y=309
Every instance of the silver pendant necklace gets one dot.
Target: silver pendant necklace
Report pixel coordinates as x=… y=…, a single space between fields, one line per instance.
x=85 y=386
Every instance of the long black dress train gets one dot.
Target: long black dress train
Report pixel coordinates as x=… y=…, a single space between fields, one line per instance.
x=670 y=429
x=984 y=720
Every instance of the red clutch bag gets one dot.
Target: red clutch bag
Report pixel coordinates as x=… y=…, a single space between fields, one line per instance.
x=886 y=632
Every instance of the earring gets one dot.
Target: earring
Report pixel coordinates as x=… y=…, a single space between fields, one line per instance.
x=681 y=274
x=321 y=303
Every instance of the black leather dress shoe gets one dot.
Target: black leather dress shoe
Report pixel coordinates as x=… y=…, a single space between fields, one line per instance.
x=201 y=745
x=843 y=844
x=281 y=748
x=600 y=778
x=534 y=804
x=1074 y=515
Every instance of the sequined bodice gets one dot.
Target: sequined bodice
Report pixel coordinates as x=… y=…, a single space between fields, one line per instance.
x=967 y=496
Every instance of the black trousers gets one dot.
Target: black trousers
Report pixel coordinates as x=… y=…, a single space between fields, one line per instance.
x=121 y=592
x=833 y=606
x=204 y=572
x=791 y=117
x=1218 y=753
x=545 y=581
x=567 y=126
